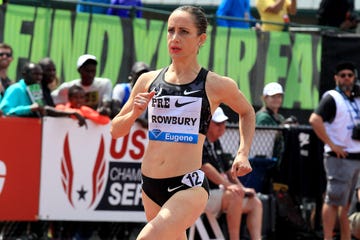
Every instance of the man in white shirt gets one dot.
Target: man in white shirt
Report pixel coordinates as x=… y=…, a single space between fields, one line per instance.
x=98 y=90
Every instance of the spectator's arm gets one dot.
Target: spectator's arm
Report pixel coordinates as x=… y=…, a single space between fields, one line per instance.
x=317 y=123
x=214 y=175
x=292 y=8
x=276 y=7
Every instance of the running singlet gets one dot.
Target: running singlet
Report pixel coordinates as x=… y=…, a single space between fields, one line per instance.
x=178 y=113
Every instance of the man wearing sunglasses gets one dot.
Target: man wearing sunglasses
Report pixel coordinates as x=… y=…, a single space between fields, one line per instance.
x=336 y=122
x=5 y=60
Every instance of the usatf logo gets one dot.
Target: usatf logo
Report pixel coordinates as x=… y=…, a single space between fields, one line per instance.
x=82 y=189
x=2 y=175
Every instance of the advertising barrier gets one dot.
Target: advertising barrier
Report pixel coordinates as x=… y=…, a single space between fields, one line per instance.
x=20 y=157
x=85 y=174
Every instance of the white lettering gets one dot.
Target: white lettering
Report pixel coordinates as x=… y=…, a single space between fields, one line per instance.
x=127 y=194
x=2 y=175
x=125 y=174
x=177 y=138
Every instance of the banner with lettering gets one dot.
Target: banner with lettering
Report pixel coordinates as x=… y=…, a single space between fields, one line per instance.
x=88 y=176
x=250 y=57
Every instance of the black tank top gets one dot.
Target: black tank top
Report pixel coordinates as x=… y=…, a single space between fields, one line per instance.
x=177 y=111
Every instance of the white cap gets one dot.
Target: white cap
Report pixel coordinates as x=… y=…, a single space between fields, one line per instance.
x=83 y=58
x=272 y=88
x=219 y=116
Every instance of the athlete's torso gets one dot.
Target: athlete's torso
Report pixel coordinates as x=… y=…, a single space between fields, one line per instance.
x=177 y=113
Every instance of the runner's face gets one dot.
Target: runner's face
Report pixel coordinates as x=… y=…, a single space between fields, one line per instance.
x=182 y=37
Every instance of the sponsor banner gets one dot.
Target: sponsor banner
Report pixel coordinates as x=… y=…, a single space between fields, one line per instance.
x=19 y=168
x=249 y=57
x=88 y=176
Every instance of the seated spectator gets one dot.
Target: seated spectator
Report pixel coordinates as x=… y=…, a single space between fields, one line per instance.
x=76 y=95
x=92 y=9
x=98 y=90
x=6 y=57
x=227 y=194
x=278 y=11
x=124 y=12
x=49 y=79
x=354 y=213
x=19 y=100
x=236 y=9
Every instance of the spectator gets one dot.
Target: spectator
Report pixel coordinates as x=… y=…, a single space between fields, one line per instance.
x=121 y=91
x=90 y=8
x=19 y=101
x=236 y=9
x=16 y=100
x=354 y=213
x=275 y=13
x=49 y=79
x=76 y=95
x=269 y=114
x=124 y=12
x=231 y=197
x=335 y=122
x=6 y=57
x=98 y=90
x=339 y=14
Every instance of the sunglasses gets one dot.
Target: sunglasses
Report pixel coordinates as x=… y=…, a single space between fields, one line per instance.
x=346 y=75
x=6 y=54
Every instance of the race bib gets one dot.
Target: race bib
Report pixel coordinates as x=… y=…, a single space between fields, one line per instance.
x=174 y=119
x=193 y=179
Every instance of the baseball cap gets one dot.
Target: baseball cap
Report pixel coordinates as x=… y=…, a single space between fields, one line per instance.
x=345 y=65
x=219 y=116
x=139 y=67
x=84 y=58
x=272 y=88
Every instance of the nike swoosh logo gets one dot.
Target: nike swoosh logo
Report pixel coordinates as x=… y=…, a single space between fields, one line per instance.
x=190 y=92
x=177 y=104
x=158 y=92
x=173 y=189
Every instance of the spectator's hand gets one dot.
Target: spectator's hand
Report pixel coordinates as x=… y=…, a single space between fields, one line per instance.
x=348 y=24
x=235 y=188
x=241 y=166
x=339 y=151
x=81 y=120
x=104 y=110
x=35 y=107
x=249 y=192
